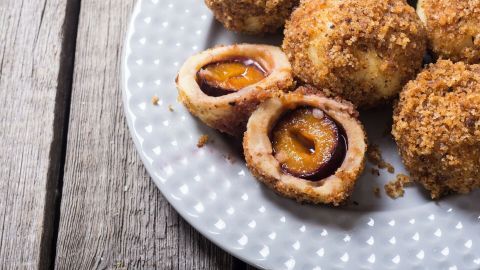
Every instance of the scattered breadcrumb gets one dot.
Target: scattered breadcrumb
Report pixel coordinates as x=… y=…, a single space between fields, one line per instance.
x=376 y=191
x=230 y=158
x=375 y=172
x=202 y=141
x=170 y=108
x=394 y=189
x=155 y=100
x=375 y=156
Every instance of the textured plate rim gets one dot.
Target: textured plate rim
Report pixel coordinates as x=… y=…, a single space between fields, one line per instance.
x=124 y=78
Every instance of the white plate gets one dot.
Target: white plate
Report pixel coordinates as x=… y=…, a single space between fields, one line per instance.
x=222 y=200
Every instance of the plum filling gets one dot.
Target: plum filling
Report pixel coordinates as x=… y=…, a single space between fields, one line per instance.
x=228 y=76
x=309 y=144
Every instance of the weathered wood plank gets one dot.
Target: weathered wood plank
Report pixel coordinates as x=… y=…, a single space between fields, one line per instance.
x=36 y=38
x=112 y=215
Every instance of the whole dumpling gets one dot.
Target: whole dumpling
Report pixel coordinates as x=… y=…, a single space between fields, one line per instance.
x=364 y=51
x=252 y=16
x=453 y=28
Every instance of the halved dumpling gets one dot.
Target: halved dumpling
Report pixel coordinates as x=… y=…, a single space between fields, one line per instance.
x=306 y=146
x=224 y=85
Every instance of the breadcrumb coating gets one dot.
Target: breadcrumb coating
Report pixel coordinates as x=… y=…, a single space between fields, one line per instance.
x=364 y=51
x=453 y=28
x=437 y=127
x=252 y=16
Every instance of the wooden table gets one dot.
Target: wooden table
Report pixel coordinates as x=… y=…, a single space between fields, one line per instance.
x=73 y=191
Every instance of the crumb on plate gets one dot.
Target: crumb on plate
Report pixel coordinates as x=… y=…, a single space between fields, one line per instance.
x=394 y=189
x=390 y=168
x=202 y=141
x=375 y=157
x=155 y=100
x=230 y=158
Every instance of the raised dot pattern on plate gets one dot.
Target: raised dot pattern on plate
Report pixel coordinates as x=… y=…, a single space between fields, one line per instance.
x=221 y=199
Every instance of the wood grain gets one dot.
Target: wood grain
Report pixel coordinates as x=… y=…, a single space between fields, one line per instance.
x=35 y=39
x=112 y=215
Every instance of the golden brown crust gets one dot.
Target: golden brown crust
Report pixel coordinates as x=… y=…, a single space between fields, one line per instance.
x=437 y=127
x=453 y=28
x=258 y=151
x=364 y=51
x=252 y=16
x=229 y=113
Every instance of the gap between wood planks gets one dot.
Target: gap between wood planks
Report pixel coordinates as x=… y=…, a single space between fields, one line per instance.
x=58 y=149
x=60 y=128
